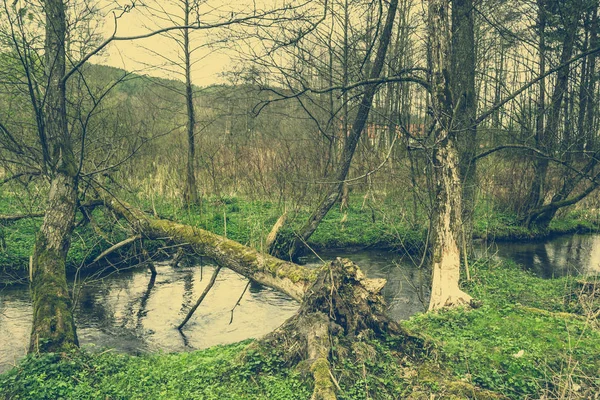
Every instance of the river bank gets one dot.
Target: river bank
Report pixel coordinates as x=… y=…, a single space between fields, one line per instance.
x=544 y=343
x=384 y=227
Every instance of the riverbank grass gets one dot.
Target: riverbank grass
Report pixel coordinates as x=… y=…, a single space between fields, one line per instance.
x=364 y=224
x=530 y=338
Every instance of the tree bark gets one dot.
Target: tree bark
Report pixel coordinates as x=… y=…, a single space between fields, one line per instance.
x=463 y=93
x=53 y=326
x=190 y=192
x=445 y=253
x=337 y=300
x=332 y=196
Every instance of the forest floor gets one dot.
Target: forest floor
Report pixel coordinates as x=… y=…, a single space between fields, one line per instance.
x=530 y=338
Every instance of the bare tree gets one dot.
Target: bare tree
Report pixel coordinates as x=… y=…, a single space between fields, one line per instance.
x=447 y=217
x=335 y=190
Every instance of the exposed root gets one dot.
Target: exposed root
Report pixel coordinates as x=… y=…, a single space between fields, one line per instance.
x=342 y=302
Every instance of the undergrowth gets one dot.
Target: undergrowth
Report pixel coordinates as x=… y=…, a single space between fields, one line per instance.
x=529 y=338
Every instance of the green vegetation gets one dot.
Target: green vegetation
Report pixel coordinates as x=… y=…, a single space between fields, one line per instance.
x=216 y=373
x=527 y=337
x=17 y=239
x=495 y=224
x=249 y=221
x=530 y=337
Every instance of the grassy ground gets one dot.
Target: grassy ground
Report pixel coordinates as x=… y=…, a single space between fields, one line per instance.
x=529 y=339
x=379 y=225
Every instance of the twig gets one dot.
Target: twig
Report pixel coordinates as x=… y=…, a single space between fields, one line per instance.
x=116 y=247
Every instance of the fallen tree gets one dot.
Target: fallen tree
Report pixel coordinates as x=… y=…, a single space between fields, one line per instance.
x=337 y=300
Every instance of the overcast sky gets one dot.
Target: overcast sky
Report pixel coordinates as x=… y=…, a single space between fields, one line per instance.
x=137 y=55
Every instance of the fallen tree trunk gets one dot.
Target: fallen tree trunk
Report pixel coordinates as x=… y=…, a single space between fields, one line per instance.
x=286 y=277
x=338 y=302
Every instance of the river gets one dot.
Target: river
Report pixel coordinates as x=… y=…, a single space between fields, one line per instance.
x=124 y=311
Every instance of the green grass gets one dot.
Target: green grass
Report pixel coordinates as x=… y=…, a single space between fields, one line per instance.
x=216 y=373
x=381 y=225
x=501 y=225
x=18 y=238
x=482 y=345
x=527 y=339
x=249 y=222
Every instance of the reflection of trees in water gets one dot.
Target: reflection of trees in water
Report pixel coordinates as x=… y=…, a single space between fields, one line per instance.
x=94 y=304
x=142 y=312
x=567 y=255
x=545 y=267
x=188 y=290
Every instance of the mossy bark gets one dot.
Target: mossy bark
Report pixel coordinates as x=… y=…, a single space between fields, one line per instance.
x=286 y=277
x=53 y=324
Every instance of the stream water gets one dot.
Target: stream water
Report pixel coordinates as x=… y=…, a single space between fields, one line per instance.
x=123 y=311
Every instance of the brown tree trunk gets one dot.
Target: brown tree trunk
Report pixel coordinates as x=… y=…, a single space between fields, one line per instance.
x=445 y=253
x=190 y=191
x=53 y=324
x=332 y=196
x=463 y=94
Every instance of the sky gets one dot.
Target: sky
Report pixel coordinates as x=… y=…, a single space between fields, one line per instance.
x=145 y=55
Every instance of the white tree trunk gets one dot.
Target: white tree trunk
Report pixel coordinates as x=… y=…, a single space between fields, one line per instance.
x=445 y=291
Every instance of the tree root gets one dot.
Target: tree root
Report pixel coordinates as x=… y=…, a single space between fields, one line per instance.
x=342 y=302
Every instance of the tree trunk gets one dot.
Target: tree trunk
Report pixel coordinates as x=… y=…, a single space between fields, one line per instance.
x=53 y=324
x=551 y=134
x=332 y=196
x=190 y=192
x=337 y=300
x=445 y=253
x=591 y=87
x=463 y=93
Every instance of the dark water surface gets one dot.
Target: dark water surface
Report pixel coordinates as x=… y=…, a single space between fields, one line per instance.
x=560 y=256
x=120 y=311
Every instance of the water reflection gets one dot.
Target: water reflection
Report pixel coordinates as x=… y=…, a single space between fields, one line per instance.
x=132 y=313
x=561 y=256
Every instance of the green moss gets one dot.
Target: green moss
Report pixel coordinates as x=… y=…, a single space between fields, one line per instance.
x=323 y=384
